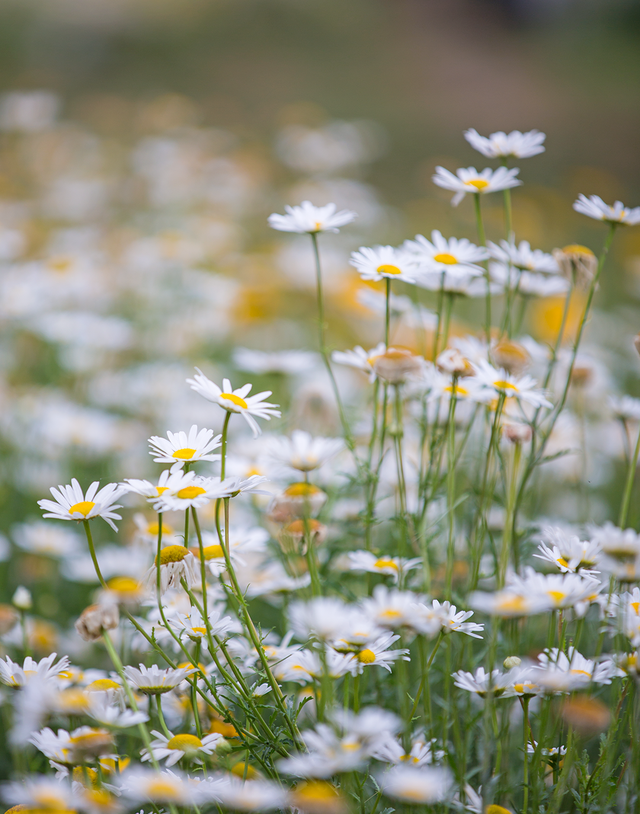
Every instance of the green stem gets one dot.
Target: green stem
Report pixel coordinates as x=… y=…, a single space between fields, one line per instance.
x=631 y=473
x=387 y=311
x=483 y=242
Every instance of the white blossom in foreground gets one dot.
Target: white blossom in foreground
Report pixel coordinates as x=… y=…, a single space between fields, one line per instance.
x=453 y=256
x=311 y=219
x=380 y=262
x=594 y=207
x=179 y=448
x=470 y=181
x=507 y=145
x=171 y=748
x=236 y=401
x=17 y=676
x=422 y=785
x=71 y=503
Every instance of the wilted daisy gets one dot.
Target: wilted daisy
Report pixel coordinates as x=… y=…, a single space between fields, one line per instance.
x=415 y=785
x=507 y=145
x=452 y=256
x=177 y=563
x=302 y=451
x=71 y=503
x=360 y=358
x=384 y=262
x=171 y=748
x=311 y=219
x=236 y=401
x=594 y=207
x=179 y=448
x=470 y=181
x=490 y=382
x=155 y=681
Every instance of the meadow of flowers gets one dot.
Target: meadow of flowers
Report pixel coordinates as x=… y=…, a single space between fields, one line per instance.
x=410 y=584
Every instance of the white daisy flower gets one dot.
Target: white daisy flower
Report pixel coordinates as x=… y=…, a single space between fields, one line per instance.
x=388 y=566
x=180 y=448
x=390 y=608
x=523 y=257
x=236 y=401
x=109 y=714
x=310 y=219
x=147 y=489
x=453 y=256
x=562 y=590
x=469 y=180
x=302 y=451
x=155 y=681
x=144 y=785
x=305 y=666
x=193 y=624
x=71 y=503
x=568 y=552
x=566 y=672
x=508 y=603
x=616 y=543
x=250 y=795
x=45 y=670
x=507 y=145
x=528 y=284
x=389 y=749
x=183 y=490
x=490 y=382
x=322 y=617
x=594 y=207
x=626 y=408
x=177 y=563
x=482 y=683
x=39 y=537
x=291 y=362
x=360 y=358
x=449 y=619
x=384 y=262
x=422 y=785
x=41 y=793
x=172 y=748
x=378 y=654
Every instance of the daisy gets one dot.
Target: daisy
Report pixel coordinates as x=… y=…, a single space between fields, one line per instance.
x=417 y=785
x=305 y=666
x=626 y=408
x=566 y=672
x=594 y=207
x=388 y=566
x=360 y=358
x=291 y=362
x=174 y=747
x=422 y=752
x=302 y=451
x=527 y=283
x=148 y=490
x=250 y=795
x=72 y=504
x=41 y=793
x=562 y=590
x=449 y=619
x=384 y=262
x=39 y=537
x=482 y=683
x=478 y=183
x=144 y=785
x=568 y=552
x=452 y=256
x=523 y=257
x=377 y=654
x=183 y=490
x=177 y=563
x=490 y=382
x=16 y=676
x=322 y=618
x=236 y=401
x=180 y=448
x=193 y=624
x=390 y=608
x=154 y=681
x=105 y=712
x=310 y=219
x=502 y=145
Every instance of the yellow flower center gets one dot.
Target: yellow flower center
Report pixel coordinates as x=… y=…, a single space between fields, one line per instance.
x=478 y=183
x=89 y=739
x=576 y=248
x=243 y=770
x=635 y=606
x=316 y=791
x=562 y=561
x=184 y=743
x=512 y=603
x=301 y=490
x=201 y=630
x=239 y=402
x=102 y=684
x=161 y=788
x=580 y=673
x=154 y=528
x=496 y=809
x=385 y=562
x=390 y=614
x=460 y=391
x=84 y=507
x=48 y=799
x=124 y=585
x=502 y=385
x=189 y=492
x=557 y=596
x=160 y=490
x=387 y=269
x=185 y=454
x=446 y=258
x=366 y=656
x=212 y=552
x=173 y=553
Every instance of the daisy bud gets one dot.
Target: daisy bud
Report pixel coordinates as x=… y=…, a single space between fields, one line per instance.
x=587 y=716
x=517 y=433
x=95 y=619
x=578 y=264
x=294 y=535
x=511 y=661
x=397 y=365
x=511 y=356
x=636 y=343
x=22 y=599
x=297 y=501
x=451 y=361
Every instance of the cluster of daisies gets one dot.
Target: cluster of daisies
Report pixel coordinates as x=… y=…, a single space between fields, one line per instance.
x=229 y=657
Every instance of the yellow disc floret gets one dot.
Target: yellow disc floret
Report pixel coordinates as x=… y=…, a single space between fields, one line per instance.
x=239 y=402
x=387 y=269
x=184 y=743
x=172 y=553
x=189 y=492
x=446 y=258
x=185 y=454
x=366 y=656
x=478 y=183
x=84 y=507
